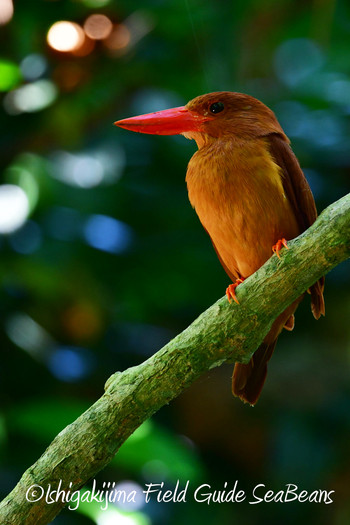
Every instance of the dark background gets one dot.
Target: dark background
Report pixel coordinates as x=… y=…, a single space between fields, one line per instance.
x=103 y=260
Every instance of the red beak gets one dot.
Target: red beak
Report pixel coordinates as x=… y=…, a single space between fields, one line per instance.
x=168 y=122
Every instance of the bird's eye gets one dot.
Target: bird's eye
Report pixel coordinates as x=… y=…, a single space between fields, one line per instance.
x=216 y=107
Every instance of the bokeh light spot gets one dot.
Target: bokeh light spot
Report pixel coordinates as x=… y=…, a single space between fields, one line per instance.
x=21 y=173
x=113 y=516
x=294 y=117
x=70 y=75
x=33 y=66
x=107 y=234
x=139 y=23
x=70 y=364
x=6 y=11
x=82 y=321
x=119 y=38
x=28 y=335
x=14 y=208
x=65 y=36
x=326 y=128
x=155 y=470
x=130 y=32
x=85 y=48
x=127 y=487
x=31 y=97
x=27 y=239
x=88 y=169
x=148 y=100
x=297 y=59
x=98 y=27
x=10 y=75
x=338 y=91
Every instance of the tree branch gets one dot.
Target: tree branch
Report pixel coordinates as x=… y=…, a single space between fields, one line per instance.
x=225 y=332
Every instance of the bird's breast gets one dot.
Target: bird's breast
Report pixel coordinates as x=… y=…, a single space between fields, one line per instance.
x=237 y=192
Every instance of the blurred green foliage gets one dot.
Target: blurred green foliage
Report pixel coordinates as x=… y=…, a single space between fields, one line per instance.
x=103 y=260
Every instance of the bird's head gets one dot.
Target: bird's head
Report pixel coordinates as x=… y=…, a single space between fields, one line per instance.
x=215 y=115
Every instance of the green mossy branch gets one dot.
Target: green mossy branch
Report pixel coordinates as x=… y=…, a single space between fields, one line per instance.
x=224 y=332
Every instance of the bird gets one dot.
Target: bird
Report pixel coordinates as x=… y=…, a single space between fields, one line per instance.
x=250 y=194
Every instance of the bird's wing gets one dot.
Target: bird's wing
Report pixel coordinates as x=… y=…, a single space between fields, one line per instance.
x=295 y=184
x=233 y=276
x=300 y=196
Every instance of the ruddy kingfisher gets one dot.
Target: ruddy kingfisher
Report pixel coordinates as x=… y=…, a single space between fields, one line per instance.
x=250 y=194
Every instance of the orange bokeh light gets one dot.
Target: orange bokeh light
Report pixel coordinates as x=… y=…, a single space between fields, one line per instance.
x=119 y=38
x=98 y=27
x=82 y=321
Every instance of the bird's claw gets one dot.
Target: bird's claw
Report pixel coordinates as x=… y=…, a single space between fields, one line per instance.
x=230 y=290
x=278 y=246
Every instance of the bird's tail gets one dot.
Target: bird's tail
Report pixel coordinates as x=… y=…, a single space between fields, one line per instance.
x=248 y=380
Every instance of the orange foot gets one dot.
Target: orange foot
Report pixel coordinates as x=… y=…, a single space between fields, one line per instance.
x=230 y=290
x=278 y=246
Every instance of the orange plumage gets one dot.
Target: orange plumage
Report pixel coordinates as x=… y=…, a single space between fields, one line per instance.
x=249 y=192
